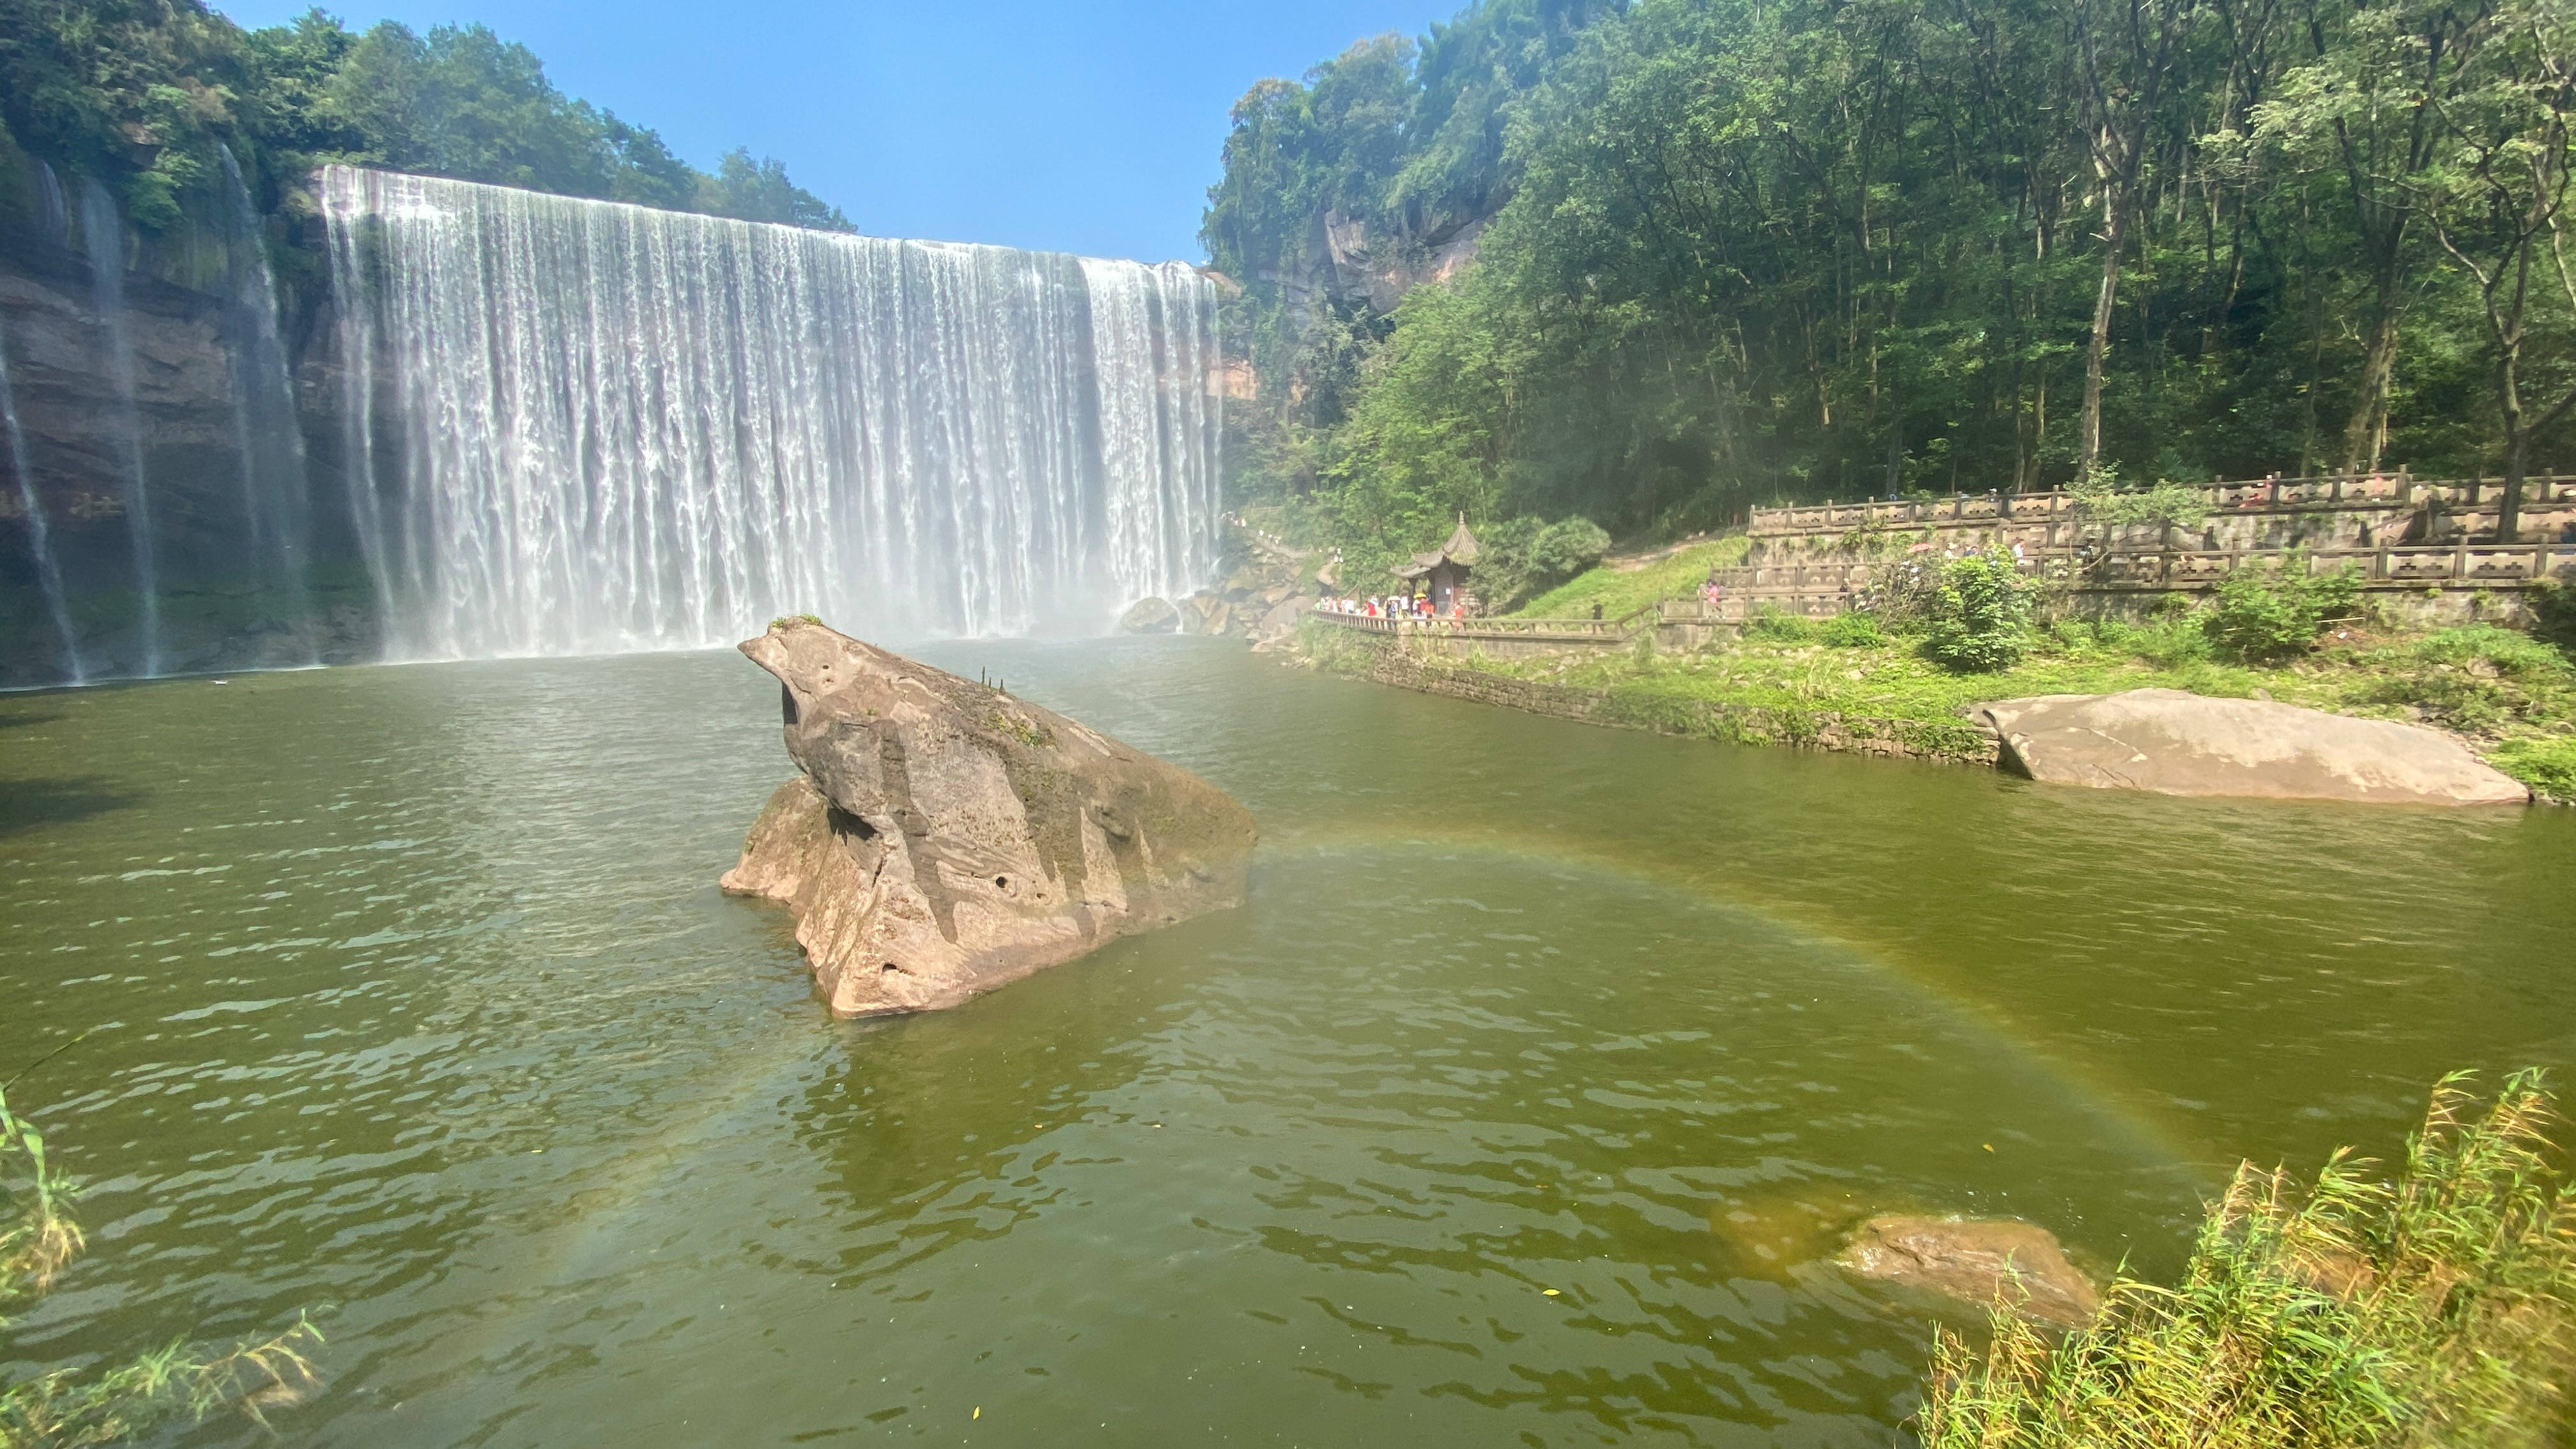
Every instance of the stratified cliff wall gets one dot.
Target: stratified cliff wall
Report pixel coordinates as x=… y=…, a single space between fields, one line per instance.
x=152 y=425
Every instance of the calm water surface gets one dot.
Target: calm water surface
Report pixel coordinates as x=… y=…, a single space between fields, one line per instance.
x=411 y=1002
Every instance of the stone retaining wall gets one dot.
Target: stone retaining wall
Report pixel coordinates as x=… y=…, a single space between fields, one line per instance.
x=1385 y=662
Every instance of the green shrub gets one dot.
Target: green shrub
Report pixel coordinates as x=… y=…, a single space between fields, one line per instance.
x=2433 y=1311
x=1521 y=556
x=1565 y=548
x=2100 y=499
x=2476 y=677
x=2546 y=763
x=1769 y=623
x=2553 y=614
x=1979 y=614
x=2262 y=614
x=1855 y=630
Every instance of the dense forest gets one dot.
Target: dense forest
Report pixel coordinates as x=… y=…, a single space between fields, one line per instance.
x=1730 y=251
x=141 y=93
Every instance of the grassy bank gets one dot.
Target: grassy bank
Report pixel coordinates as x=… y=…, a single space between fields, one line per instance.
x=1622 y=590
x=2438 y=1309
x=2511 y=696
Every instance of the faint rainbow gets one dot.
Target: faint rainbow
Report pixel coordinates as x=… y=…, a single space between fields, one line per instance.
x=2158 y=1141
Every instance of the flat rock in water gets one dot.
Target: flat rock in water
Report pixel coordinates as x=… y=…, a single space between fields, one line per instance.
x=946 y=838
x=1150 y=616
x=2177 y=743
x=1977 y=1261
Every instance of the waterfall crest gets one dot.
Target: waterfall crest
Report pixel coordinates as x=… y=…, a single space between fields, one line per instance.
x=579 y=426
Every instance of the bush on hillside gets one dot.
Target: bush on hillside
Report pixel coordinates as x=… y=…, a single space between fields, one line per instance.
x=1855 y=630
x=2100 y=499
x=1767 y=622
x=1565 y=548
x=2476 y=678
x=2265 y=614
x=2546 y=763
x=2437 y=1310
x=1521 y=557
x=2553 y=614
x=1979 y=613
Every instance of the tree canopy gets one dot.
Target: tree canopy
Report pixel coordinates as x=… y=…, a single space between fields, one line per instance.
x=1743 y=250
x=140 y=92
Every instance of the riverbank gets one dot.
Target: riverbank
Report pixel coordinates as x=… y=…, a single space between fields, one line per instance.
x=1839 y=686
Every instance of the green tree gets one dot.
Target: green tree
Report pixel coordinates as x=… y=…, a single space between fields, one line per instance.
x=2497 y=203
x=1979 y=615
x=760 y=191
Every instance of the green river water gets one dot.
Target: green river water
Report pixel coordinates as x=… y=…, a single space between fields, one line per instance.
x=412 y=1003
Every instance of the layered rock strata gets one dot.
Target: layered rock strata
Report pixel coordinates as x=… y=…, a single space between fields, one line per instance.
x=945 y=838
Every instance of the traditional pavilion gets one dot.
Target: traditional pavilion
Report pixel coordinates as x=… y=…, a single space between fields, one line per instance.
x=1445 y=568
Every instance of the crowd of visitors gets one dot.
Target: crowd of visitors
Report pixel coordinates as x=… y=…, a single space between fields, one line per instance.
x=1393 y=606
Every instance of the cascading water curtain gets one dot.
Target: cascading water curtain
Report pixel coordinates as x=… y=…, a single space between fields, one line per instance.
x=584 y=427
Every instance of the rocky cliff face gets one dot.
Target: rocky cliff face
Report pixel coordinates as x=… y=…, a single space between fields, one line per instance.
x=158 y=371
x=945 y=838
x=1378 y=266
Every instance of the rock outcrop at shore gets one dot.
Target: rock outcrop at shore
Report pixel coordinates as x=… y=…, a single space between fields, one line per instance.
x=946 y=838
x=2177 y=743
x=1978 y=1262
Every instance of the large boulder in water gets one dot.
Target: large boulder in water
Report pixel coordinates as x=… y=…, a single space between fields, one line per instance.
x=2177 y=743
x=946 y=838
x=1979 y=1262
x=1150 y=616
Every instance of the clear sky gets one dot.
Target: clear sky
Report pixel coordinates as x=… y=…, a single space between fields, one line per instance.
x=1073 y=125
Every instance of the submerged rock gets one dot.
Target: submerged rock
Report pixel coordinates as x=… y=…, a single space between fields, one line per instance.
x=2177 y=743
x=1975 y=1261
x=946 y=838
x=1150 y=616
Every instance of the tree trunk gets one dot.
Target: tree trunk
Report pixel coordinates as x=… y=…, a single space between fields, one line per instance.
x=2517 y=442
x=2368 y=431
x=2088 y=448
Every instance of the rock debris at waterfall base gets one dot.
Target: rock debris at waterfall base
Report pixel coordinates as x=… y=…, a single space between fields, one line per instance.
x=945 y=838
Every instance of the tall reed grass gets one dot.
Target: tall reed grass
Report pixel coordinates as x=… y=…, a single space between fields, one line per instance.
x=38 y=1240
x=2439 y=1309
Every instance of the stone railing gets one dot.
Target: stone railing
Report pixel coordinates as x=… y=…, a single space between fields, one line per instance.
x=1828 y=588
x=2381 y=491
x=2459 y=564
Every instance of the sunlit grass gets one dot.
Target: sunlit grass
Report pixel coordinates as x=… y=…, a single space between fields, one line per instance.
x=1621 y=592
x=2512 y=696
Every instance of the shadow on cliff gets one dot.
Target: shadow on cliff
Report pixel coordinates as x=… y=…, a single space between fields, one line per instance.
x=31 y=804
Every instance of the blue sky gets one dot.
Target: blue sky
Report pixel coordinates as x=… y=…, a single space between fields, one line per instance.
x=1088 y=126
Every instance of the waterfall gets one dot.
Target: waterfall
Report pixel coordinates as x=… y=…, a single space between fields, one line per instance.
x=603 y=427
x=103 y=233
x=276 y=503
x=55 y=221
x=40 y=540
